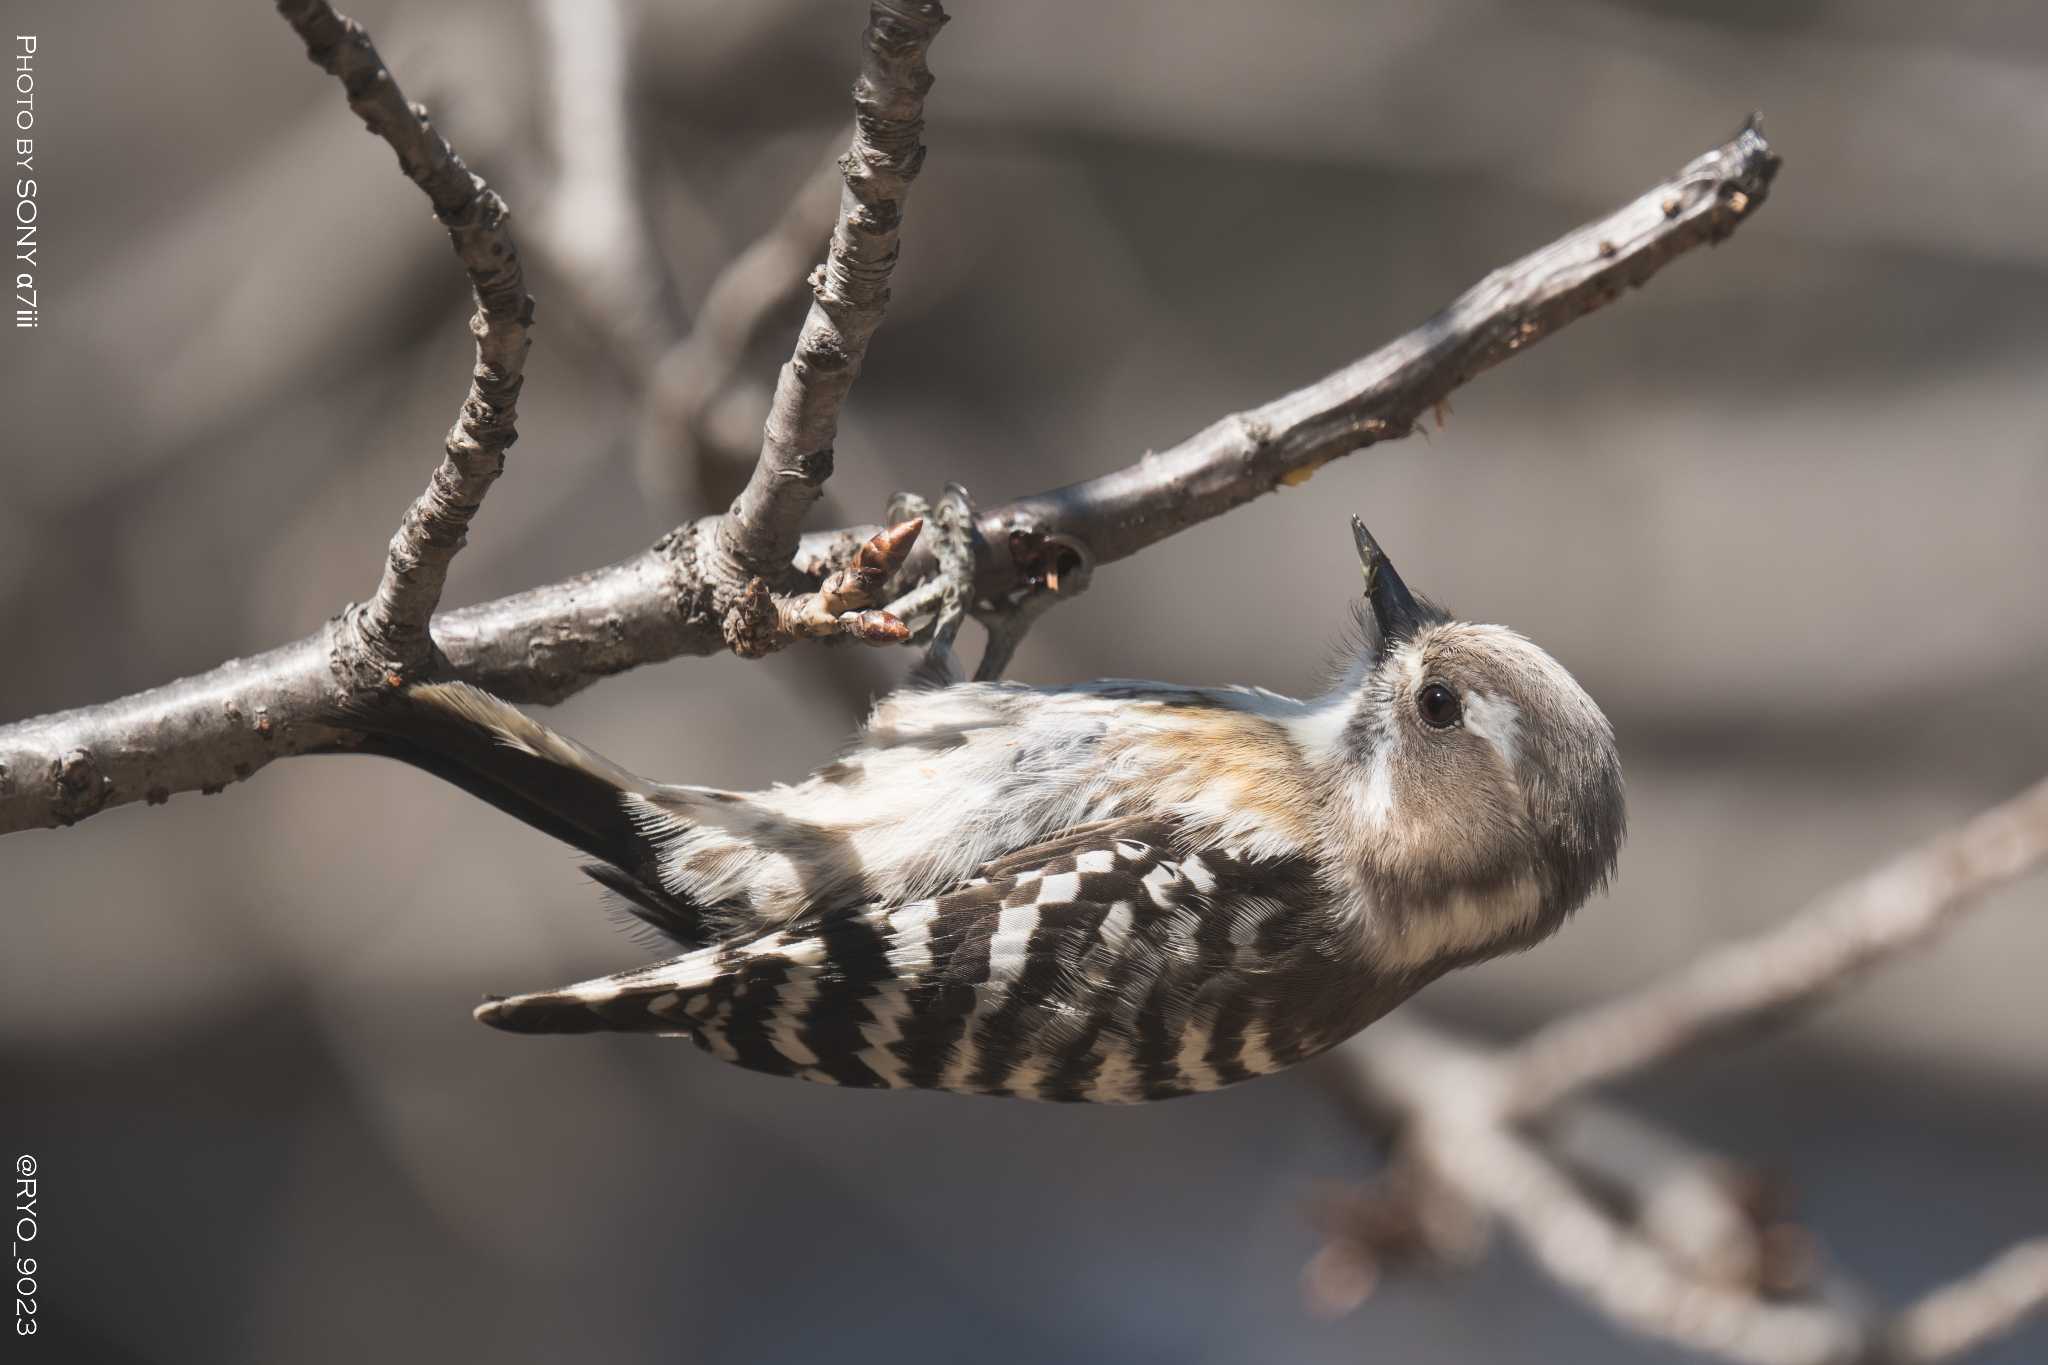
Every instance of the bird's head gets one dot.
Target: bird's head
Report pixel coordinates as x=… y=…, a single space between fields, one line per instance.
x=1478 y=794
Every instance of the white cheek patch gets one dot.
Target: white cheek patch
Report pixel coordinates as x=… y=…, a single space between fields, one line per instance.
x=1459 y=925
x=1371 y=797
x=1497 y=721
x=1318 y=730
x=1377 y=796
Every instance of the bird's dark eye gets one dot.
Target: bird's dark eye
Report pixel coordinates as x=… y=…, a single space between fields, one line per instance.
x=1439 y=706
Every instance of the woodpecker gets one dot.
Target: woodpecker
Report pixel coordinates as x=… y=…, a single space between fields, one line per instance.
x=1115 y=892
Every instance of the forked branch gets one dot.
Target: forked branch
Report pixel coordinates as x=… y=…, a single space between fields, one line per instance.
x=388 y=636
x=680 y=596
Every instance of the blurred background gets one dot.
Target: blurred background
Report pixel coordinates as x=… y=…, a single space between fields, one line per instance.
x=1781 y=512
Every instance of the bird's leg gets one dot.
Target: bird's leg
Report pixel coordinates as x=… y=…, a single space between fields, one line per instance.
x=953 y=520
x=1053 y=568
x=1006 y=631
x=916 y=606
x=1049 y=568
x=938 y=605
x=902 y=507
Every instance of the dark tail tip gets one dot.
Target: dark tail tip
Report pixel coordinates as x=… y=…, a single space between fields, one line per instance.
x=540 y=1014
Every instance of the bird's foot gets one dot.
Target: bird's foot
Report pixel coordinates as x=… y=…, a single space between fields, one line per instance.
x=1048 y=568
x=948 y=595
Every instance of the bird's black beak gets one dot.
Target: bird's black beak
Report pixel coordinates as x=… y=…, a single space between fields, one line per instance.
x=1394 y=609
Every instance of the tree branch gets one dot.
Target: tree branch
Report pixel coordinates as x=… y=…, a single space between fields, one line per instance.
x=389 y=635
x=849 y=291
x=1380 y=397
x=1582 y=1248
x=1459 y=1165
x=1703 y=1212
x=1457 y=1159
x=673 y=598
x=195 y=734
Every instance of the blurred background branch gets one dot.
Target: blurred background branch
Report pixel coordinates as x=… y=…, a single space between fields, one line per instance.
x=593 y=224
x=1855 y=928
x=701 y=420
x=1676 y=1255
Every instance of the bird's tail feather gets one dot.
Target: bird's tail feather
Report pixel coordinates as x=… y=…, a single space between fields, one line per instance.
x=543 y=1012
x=498 y=753
x=657 y=998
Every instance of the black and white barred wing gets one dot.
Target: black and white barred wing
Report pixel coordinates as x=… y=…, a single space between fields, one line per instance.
x=1114 y=963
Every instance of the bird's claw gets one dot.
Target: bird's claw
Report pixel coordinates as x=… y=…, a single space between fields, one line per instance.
x=1049 y=568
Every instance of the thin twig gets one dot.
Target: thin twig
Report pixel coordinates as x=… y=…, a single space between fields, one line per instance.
x=549 y=642
x=1846 y=933
x=849 y=291
x=1453 y=1146
x=1688 y=1203
x=388 y=637
x=1622 y=1275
